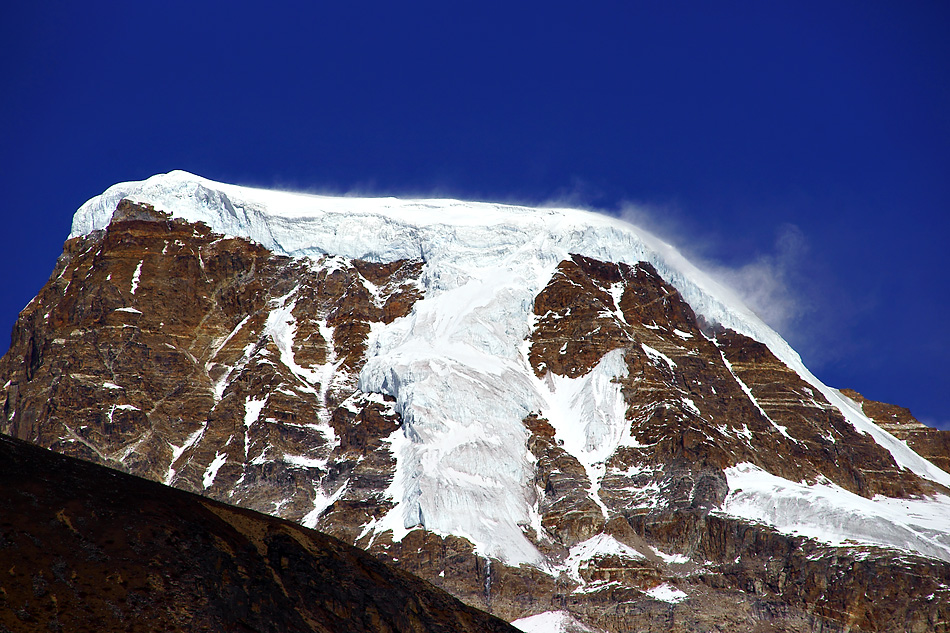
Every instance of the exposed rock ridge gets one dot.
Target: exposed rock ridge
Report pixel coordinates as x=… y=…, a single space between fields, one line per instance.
x=705 y=396
x=932 y=444
x=85 y=548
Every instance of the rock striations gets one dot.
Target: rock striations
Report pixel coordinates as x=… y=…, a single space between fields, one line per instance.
x=547 y=413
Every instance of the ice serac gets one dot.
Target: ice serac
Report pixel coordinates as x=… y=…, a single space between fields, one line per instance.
x=548 y=412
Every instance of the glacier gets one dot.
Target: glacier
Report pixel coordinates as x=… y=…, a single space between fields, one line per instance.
x=457 y=365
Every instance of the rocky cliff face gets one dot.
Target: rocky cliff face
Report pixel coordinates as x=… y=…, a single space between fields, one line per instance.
x=899 y=422
x=209 y=363
x=84 y=548
x=701 y=399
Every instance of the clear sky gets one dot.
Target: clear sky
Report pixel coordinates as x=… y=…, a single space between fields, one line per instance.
x=801 y=149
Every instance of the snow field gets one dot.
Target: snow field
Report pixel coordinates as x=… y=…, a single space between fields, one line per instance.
x=833 y=515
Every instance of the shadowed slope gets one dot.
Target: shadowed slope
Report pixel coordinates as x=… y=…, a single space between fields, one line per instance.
x=86 y=548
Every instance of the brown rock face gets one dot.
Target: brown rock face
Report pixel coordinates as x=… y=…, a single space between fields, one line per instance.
x=932 y=444
x=163 y=349
x=209 y=363
x=819 y=434
x=688 y=392
x=699 y=400
x=84 y=548
x=567 y=511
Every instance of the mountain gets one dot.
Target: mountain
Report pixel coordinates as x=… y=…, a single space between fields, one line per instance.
x=86 y=548
x=549 y=413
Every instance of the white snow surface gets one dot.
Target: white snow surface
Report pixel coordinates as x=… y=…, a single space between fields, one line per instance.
x=457 y=364
x=675 y=559
x=666 y=593
x=135 y=276
x=831 y=514
x=212 y=471
x=552 y=622
x=588 y=414
x=596 y=546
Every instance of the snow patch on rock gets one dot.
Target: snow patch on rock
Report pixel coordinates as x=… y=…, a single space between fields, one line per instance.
x=830 y=514
x=596 y=546
x=552 y=622
x=588 y=414
x=666 y=593
x=212 y=470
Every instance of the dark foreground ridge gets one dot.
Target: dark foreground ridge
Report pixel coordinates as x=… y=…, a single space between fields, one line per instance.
x=86 y=548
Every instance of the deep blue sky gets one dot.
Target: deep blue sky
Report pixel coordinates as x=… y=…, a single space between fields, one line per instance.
x=801 y=147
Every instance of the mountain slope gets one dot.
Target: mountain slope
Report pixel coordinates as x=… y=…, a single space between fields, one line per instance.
x=86 y=548
x=537 y=409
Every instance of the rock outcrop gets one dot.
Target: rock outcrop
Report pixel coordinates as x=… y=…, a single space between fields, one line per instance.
x=700 y=399
x=927 y=442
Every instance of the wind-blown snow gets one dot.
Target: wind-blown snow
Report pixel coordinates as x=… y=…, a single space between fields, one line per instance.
x=443 y=232
x=831 y=514
x=457 y=364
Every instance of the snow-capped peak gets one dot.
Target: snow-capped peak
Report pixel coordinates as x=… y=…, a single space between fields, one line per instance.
x=455 y=237
x=456 y=365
